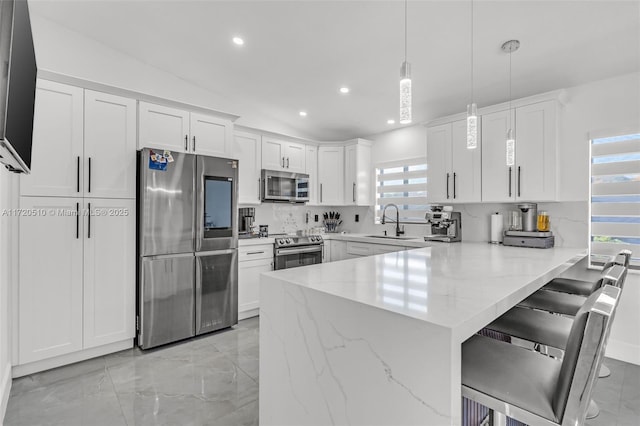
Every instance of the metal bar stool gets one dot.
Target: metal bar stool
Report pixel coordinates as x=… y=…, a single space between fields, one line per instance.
x=536 y=389
x=585 y=288
x=550 y=330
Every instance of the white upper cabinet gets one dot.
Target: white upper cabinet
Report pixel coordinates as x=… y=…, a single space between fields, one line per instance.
x=163 y=127
x=174 y=129
x=454 y=172
x=109 y=272
x=331 y=175
x=358 y=177
x=57 y=158
x=210 y=135
x=533 y=175
x=439 y=164
x=248 y=150
x=50 y=267
x=283 y=155
x=109 y=146
x=536 y=142
x=312 y=171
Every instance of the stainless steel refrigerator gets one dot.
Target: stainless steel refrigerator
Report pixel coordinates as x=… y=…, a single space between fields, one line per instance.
x=187 y=245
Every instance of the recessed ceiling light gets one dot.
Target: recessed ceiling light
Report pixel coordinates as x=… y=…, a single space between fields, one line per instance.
x=344 y=90
x=303 y=113
x=391 y=121
x=238 y=41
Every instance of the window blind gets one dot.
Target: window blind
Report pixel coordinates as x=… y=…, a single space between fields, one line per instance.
x=615 y=198
x=403 y=183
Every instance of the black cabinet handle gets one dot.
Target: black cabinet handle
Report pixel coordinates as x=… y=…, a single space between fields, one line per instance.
x=509 y=181
x=89 y=174
x=186 y=142
x=89 y=222
x=320 y=192
x=519 y=180
x=283 y=162
x=78 y=175
x=254 y=252
x=259 y=182
x=354 y=192
x=287 y=162
x=454 y=185
x=447 y=186
x=77 y=220
x=194 y=144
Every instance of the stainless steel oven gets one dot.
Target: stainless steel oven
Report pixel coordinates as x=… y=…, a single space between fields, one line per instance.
x=291 y=252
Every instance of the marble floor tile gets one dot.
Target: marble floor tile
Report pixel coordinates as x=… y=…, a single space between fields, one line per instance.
x=209 y=380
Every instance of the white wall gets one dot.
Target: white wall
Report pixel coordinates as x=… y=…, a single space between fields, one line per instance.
x=8 y=225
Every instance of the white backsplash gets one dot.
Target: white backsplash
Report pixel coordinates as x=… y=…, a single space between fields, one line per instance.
x=569 y=220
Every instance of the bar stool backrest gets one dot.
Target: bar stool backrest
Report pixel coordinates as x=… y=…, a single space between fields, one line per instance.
x=583 y=356
x=622 y=258
x=615 y=276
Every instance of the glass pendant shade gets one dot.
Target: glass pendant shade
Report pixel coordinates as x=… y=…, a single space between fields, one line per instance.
x=472 y=126
x=511 y=148
x=405 y=93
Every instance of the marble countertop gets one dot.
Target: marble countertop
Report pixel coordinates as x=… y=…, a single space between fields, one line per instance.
x=458 y=286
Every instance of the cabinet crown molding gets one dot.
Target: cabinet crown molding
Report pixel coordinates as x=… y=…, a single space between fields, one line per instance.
x=560 y=96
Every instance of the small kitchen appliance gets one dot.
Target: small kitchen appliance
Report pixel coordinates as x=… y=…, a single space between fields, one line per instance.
x=446 y=226
x=529 y=216
x=278 y=186
x=247 y=216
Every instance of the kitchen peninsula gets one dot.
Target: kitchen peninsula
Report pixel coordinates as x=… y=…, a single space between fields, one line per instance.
x=377 y=340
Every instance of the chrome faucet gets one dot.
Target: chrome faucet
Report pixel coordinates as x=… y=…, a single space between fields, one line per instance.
x=384 y=211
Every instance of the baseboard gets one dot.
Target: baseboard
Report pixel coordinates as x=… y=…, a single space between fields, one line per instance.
x=5 y=389
x=248 y=314
x=59 y=361
x=623 y=351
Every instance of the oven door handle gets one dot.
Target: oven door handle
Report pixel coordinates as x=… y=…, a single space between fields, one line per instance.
x=296 y=250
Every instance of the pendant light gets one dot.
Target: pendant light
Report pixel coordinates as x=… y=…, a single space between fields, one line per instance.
x=510 y=149
x=472 y=108
x=405 y=79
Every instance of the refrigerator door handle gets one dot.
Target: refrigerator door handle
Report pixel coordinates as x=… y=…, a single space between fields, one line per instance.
x=198 y=293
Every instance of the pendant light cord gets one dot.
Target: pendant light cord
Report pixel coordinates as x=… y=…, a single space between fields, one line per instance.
x=471 y=51
x=405 y=30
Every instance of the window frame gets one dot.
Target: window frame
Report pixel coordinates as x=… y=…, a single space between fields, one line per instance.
x=405 y=164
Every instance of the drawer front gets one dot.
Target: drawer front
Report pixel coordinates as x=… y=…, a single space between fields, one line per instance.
x=262 y=251
x=359 y=249
x=381 y=249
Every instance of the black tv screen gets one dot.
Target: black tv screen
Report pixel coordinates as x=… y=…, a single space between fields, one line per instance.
x=21 y=90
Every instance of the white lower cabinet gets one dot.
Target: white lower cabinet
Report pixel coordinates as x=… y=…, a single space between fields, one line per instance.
x=50 y=267
x=338 y=250
x=77 y=275
x=109 y=272
x=252 y=261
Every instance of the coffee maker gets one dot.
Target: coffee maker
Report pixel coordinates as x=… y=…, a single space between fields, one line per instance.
x=247 y=216
x=446 y=226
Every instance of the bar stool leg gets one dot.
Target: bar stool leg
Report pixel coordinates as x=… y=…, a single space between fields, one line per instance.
x=498 y=419
x=593 y=410
x=604 y=371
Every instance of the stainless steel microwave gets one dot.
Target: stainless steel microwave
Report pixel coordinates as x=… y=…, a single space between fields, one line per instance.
x=284 y=186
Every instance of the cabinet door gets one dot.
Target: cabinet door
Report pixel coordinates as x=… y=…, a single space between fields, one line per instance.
x=498 y=179
x=162 y=127
x=326 y=251
x=295 y=157
x=466 y=166
x=350 y=174
x=109 y=146
x=331 y=175
x=50 y=287
x=249 y=284
x=109 y=271
x=364 y=176
x=312 y=171
x=439 y=179
x=57 y=150
x=211 y=135
x=536 y=152
x=338 y=250
x=273 y=154
x=248 y=151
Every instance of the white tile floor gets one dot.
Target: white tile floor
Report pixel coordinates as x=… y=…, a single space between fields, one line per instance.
x=211 y=380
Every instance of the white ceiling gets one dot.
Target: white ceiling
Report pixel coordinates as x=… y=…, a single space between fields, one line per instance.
x=298 y=53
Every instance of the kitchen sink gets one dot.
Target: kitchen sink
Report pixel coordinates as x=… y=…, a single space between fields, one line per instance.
x=390 y=237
